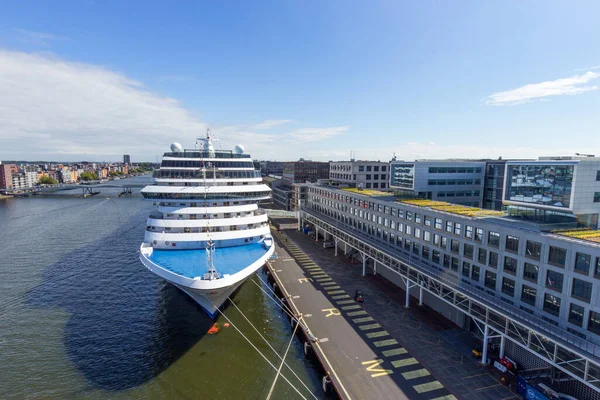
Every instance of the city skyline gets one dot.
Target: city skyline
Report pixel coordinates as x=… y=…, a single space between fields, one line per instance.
x=81 y=82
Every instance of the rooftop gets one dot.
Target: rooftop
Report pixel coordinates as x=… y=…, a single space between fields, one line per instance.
x=192 y=263
x=367 y=192
x=464 y=211
x=590 y=235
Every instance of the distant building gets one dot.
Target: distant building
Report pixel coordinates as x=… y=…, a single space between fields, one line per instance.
x=126 y=159
x=282 y=194
x=5 y=177
x=494 y=184
x=453 y=181
x=271 y=168
x=360 y=174
x=305 y=171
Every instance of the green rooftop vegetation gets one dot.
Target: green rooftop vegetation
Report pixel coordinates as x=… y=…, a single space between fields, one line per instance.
x=453 y=208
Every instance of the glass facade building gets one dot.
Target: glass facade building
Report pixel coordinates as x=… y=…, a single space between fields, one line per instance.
x=542 y=184
x=403 y=175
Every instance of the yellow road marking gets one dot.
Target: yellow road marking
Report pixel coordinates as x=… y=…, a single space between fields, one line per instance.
x=331 y=311
x=487 y=387
x=377 y=334
x=428 y=387
x=388 y=342
x=394 y=352
x=356 y=313
x=345 y=301
x=336 y=291
x=451 y=397
x=368 y=327
x=419 y=373
x=352 y=307
x=304 y=280
x=405 y=362
x=373 y=366
x=340 y=296
x=326 y=283
x=361 y=320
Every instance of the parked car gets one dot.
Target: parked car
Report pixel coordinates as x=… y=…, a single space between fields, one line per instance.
x=328 y=245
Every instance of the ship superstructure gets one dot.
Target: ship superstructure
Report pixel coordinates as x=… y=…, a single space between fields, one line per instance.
x=207 y=234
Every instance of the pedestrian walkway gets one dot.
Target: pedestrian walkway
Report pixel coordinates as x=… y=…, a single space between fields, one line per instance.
x=366 y=360
x=441 y=348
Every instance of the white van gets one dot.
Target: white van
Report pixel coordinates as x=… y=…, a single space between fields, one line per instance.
x=328 y=245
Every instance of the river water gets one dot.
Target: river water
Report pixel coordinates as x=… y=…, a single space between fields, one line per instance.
x=81 y=318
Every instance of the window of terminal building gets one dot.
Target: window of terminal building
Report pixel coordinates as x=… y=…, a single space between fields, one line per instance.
x=361 y=168
x=368 y=185
x=446 y=261
x=510 y=265
x=508 y=286
x=383 y=168
x=438 y=223
x=582 y=263
x=417 y=218
x=401 y=214
x=394 y=212
x=408 y=230
x=554 y=280
x=457 y=229
x=533 y=250
x=376 y=177
x=482 y=256
x=427 y=236
x=454 y=246
x=435 y=256
x=376 y=168
x=528 y=295
x=418 y=233
x=596 y=197
x=383 y=185
x=466 y=269
x=530 y=272
x=449 y=226
x=479 y=235
x=576 y=314
x=468 y=251
x=494 y=239
x=475 y=272
x=512 y=244
x=427 y=220
x=416 y=248
x=409 y=216
x=493 y=260
x=490 y=280
x=407 y=244
x=594 y=322
x=444 y=244
x=368 y=177
x=368 y=168
x=454 y=266
x=582 y=290
x=552 y=304
x=597 y=268
x=375 y=185
x=468 y=232
x=425 y=252
x=557 y=256
x=436 y=239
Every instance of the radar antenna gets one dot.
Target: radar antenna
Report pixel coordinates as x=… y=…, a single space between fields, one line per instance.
x=211 y=271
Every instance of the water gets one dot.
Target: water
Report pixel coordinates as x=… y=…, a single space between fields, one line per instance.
x=81 y=318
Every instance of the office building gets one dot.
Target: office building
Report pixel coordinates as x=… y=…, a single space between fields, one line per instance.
x=494 y=184
x=534 y=293
x=271 y=168
x=360 y=174
x=305 y=171
x=126 y=159
x=453 y=181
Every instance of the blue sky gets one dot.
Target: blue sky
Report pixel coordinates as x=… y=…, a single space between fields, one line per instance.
x=312 y=79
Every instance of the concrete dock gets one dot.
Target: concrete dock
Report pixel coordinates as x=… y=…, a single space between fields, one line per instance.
x=360 y=357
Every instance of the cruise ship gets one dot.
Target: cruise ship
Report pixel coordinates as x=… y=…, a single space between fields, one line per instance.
x=207 y=234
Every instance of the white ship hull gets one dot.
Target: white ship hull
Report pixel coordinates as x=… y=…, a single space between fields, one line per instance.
x=209 y=294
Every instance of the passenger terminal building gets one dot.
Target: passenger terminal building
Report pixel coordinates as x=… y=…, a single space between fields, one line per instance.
x=527 y=278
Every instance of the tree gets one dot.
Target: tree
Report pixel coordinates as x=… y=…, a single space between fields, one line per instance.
x=46 y=180
x=88 y=176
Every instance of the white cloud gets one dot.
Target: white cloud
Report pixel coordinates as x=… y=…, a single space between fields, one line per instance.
x=38 y=38
x=269 y=124
x=565 y=86
x=48 y=105
x=318 y=134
